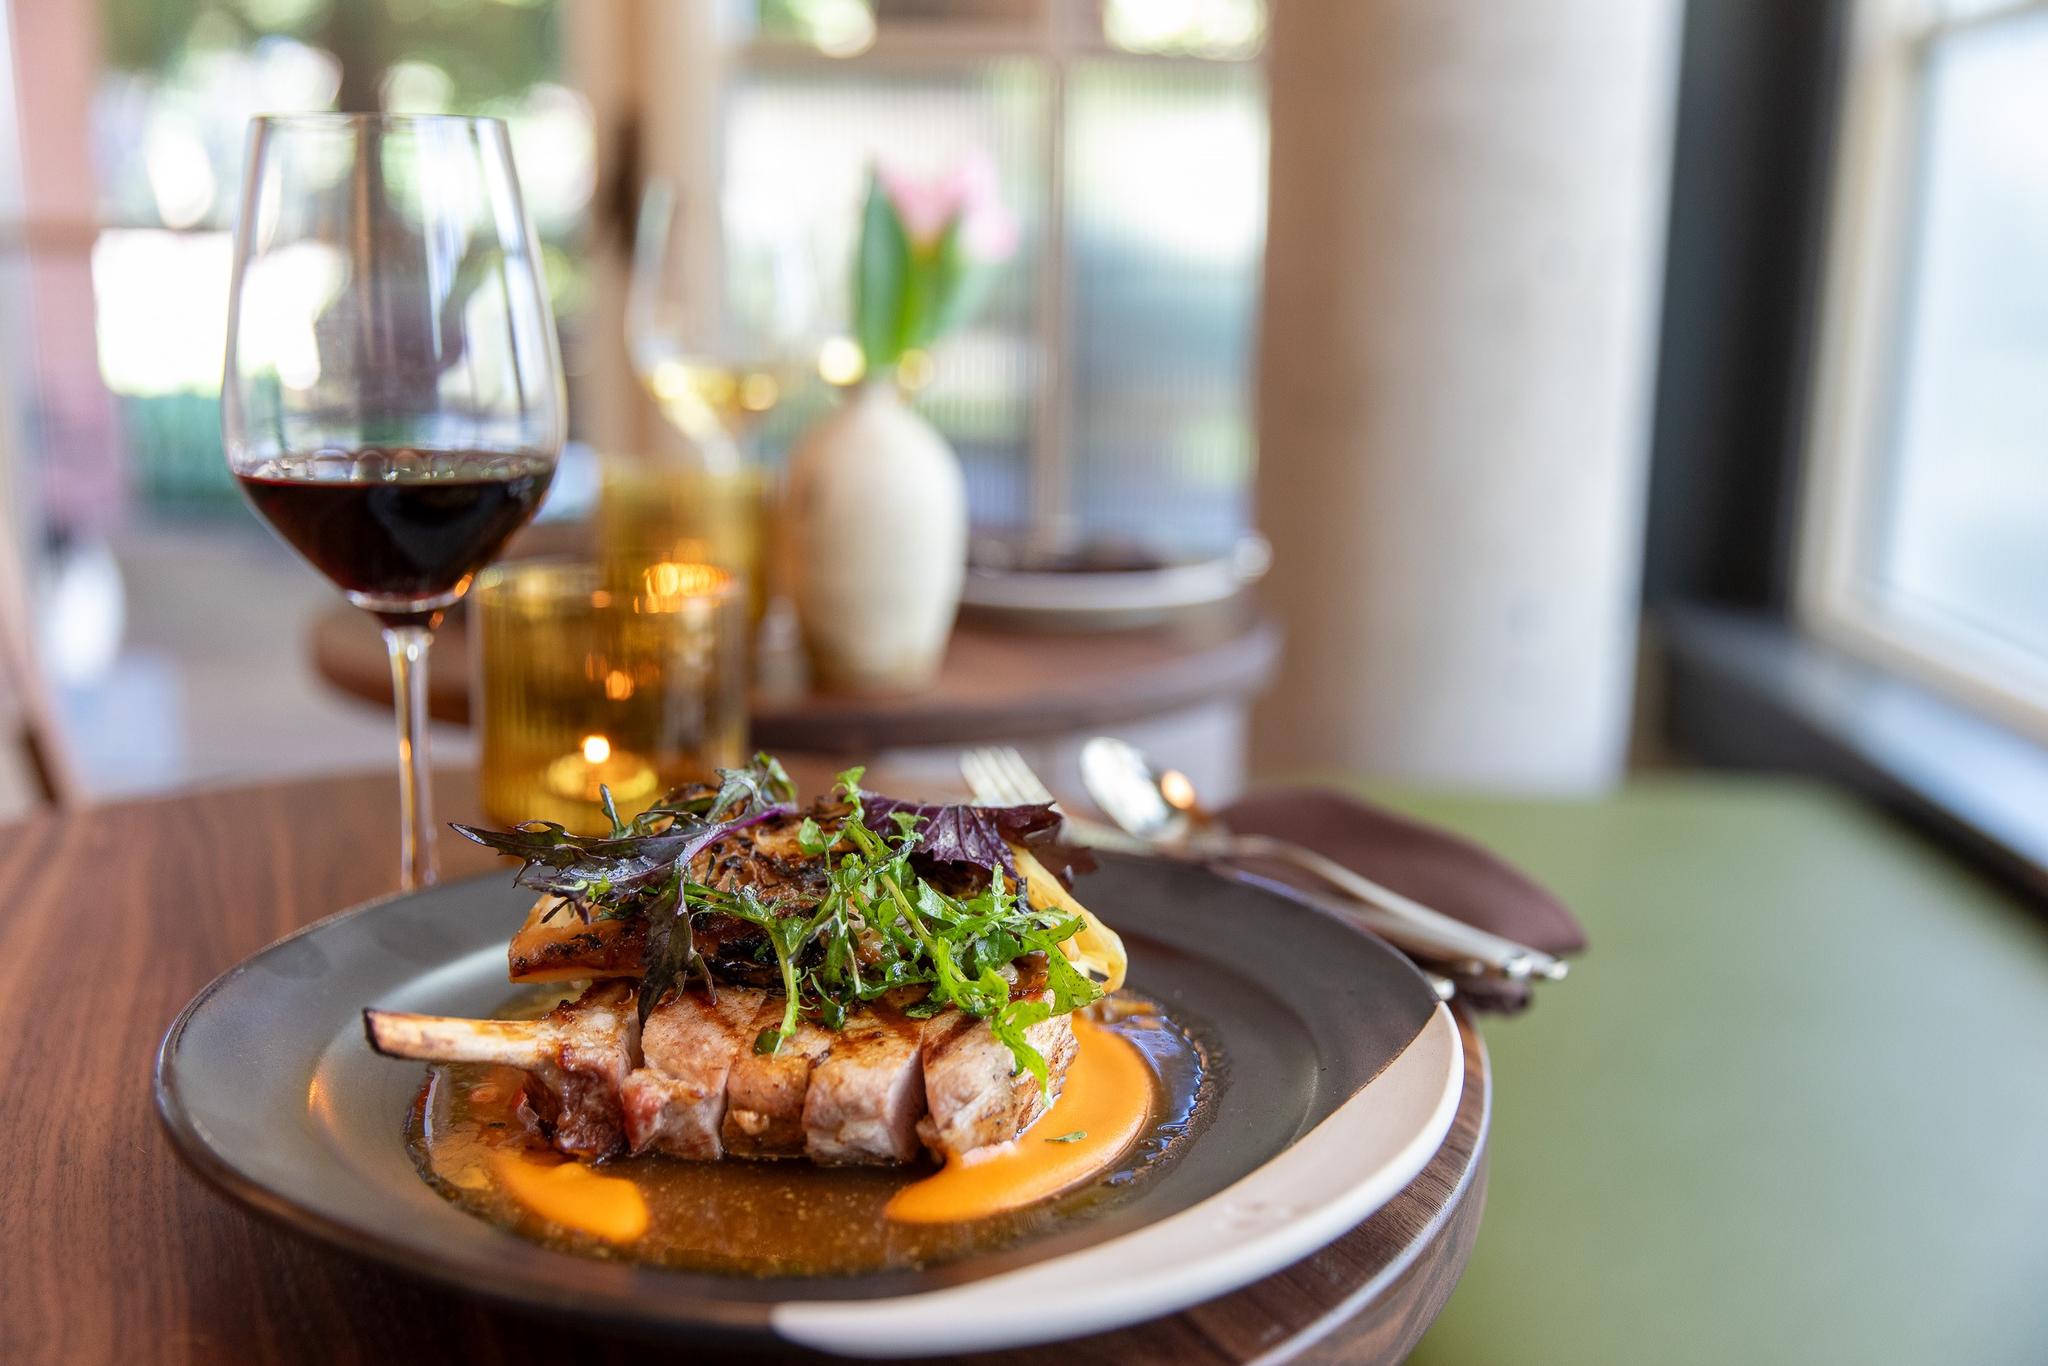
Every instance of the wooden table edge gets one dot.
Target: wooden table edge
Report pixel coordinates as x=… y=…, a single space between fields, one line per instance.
x=1468 y=1192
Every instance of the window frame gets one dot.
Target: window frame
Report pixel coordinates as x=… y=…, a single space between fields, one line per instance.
x=1867 y=278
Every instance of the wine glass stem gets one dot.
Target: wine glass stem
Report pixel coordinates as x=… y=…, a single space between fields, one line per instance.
x=408 y=647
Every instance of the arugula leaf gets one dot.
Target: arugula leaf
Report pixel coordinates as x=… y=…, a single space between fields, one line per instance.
x=762 y=784
x=1009 y=1024
x=787 y=935
x=1071 y=988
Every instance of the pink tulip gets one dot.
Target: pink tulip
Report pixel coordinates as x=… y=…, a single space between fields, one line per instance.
x=924 y=207
x=969 y=190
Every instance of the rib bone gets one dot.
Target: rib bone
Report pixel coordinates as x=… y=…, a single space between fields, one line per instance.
x=444 y=1038
x=574 y=1057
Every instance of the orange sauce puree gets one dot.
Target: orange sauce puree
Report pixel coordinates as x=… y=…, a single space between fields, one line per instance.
x=574 y=1196
x=1107 y=1099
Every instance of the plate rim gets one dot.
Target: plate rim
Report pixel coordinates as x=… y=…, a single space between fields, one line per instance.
x=783 y=1320
x=999 y=1311
x=200 y=1158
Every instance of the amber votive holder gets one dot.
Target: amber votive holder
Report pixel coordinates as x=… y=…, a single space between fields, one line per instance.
x=655 y=511
x=582 y=685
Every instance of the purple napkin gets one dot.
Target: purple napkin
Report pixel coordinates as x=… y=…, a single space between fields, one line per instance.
x=1442 y=871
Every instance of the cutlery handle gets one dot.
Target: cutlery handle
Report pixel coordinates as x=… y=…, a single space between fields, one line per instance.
x=1404 y=921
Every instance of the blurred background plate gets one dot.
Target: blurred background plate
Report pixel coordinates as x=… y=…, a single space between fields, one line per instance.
x=1101 y=585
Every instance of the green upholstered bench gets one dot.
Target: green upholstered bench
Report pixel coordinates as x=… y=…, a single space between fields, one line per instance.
x=1793 y=1105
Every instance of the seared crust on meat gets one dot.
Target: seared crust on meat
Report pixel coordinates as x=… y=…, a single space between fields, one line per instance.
x=560 y=947
x=675 y=1101
x=866 y=1096
x=598 y=1037
x=764 y=1094
x=975 y=1094
x=555 y=944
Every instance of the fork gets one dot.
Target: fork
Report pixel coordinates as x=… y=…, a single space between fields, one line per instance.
x=998 y=775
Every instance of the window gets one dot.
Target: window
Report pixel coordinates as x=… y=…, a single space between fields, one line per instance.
x=1104 y=390
x=1926 y=542
x=162 y=601
x=166 y=117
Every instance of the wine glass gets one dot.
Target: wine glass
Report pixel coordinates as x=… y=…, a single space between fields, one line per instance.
x=722 y=331
x=392 y=399
x=724 y=323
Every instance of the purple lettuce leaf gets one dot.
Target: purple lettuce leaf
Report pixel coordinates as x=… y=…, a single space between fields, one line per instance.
x=958 y=833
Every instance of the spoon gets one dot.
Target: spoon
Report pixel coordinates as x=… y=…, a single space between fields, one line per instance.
x=1159 y=807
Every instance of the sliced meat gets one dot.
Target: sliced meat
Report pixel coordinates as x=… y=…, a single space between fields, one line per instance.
x=764 y=1095
x=675 y=1101
x=575 y=1058
x=866 y=1096
x=975 y=1094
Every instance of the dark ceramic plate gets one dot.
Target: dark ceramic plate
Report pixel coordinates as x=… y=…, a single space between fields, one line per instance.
x=1336 y=1077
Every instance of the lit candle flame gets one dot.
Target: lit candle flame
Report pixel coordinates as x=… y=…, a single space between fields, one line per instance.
x=596 y=749
x=1178 y=791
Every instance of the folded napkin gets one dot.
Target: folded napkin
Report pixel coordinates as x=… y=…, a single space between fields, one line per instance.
x=1442 y=871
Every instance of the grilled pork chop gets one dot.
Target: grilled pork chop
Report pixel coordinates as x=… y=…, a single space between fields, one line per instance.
x=764 y=1094
x=692 y=1086
x=675 y=1101
x=972 y=1100
x=866 y=1096
x=575 y=1058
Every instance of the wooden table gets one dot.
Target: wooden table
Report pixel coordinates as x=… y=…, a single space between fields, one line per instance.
x=113 y=1253
x=996 y=684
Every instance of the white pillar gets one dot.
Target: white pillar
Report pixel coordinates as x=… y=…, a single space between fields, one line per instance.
x=1463 y=267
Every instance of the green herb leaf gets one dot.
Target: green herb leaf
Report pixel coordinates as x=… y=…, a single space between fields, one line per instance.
x=762 y=784
x=1009 y=1024
x=1074 y=1137
x=572 y=865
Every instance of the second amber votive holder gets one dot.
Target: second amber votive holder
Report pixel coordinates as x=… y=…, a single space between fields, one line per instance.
x=582 y=684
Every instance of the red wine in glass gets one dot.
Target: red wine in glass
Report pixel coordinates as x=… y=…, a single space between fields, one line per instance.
x=400 y=532
x=391 y=397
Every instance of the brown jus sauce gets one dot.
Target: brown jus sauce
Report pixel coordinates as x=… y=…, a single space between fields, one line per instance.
x=783 y=1218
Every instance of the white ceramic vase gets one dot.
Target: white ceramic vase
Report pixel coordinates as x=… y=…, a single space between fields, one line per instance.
x=877 y=518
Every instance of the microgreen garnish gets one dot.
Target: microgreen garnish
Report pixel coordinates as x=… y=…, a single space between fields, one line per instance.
x=879 y=925
x=979 y=836
x=1074 y=1137
x=642 y=867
